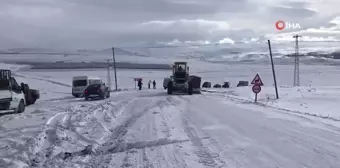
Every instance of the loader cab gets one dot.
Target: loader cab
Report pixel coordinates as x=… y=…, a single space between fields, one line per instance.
x=180 y=67
x=180 y=72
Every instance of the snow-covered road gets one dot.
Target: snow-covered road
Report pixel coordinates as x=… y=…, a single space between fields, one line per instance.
x=151 y=129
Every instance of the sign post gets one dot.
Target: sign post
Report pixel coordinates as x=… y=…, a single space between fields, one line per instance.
x=135 y=83
x=256 y=89
x=257 y=83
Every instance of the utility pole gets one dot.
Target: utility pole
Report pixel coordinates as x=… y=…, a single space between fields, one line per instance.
x=114 y=67
x=273 y=69
x=108 y=73
x=296 y=62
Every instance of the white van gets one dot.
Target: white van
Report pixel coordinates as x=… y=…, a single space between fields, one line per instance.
x=80 y=83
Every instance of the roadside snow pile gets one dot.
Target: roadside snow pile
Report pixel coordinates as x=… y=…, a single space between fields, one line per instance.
x=314 y=101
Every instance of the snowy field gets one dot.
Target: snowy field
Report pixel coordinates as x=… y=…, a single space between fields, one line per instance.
x=220 y=128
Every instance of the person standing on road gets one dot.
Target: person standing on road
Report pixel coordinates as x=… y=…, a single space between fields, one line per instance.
x=149 y=84
x=140 y=84
x=154 y=84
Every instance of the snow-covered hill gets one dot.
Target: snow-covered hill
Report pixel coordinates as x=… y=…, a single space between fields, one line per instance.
x=311 y=52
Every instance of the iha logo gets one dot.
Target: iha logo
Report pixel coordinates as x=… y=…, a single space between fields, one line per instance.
x=280 y=25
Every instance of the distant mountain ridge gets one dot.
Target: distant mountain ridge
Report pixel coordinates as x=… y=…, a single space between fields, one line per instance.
x=66 y=52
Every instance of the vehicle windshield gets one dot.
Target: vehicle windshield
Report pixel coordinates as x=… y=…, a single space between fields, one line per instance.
x=94 y=82
x=79 y=83
x=181 y=67
x=4 y=84
x=93 y=86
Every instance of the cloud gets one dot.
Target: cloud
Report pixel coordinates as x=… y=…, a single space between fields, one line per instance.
x=177 y=42
x=198 y=27
x=98 y=24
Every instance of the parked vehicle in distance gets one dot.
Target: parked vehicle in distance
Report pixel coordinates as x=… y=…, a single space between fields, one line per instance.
x=217 y=86
x=11 y=93
x=80 y=83
x=96 y=91
x=31 y=95
x=226 y=85
x=206 y=85
x=242 y=83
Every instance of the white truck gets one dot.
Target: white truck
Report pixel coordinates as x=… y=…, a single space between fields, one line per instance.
x=11 y=93
x=80 y=83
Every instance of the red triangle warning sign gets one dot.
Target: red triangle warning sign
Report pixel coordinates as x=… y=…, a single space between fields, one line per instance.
x=257 y=80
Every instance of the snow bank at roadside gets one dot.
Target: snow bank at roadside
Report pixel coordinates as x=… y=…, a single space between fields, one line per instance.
x=314 y=101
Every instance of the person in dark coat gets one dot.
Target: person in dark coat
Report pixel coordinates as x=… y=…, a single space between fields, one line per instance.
x=140 y=84
x=154 y=84
x=149 y=84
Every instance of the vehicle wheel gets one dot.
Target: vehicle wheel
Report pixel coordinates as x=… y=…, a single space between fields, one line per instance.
x=75 y=95
x=102 y=96
x=21 y=107
x=170 y=88
x=164 y=87
x=108 y=95
x=86 y=98
x=190 y=89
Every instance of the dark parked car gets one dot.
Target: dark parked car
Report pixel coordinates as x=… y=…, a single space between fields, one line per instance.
x=217 y=86
x=242 y=83
x=206 y=85
x=96 y=91
x=226 y=85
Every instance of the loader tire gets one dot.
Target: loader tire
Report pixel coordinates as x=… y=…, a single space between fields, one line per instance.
x=33 y=101
x=190 y=89
x=170 y=88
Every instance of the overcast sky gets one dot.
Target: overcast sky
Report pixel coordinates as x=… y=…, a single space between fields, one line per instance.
x=105 y=23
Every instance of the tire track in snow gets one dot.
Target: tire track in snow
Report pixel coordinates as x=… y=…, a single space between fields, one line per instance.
x=62 y=123
x=148 y=131
x=80 y=112
x=205 y=156
x=162 y=152
x=102 y=154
